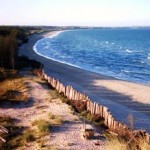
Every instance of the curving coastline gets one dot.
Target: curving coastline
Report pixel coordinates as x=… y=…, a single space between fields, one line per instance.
x=93 y=50
x=51 y=36
x=121 y=97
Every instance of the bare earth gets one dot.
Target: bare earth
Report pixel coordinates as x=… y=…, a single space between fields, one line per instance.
x=121 y=97
x=66 y=136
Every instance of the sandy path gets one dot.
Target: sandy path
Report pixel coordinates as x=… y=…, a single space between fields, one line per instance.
x=66 y=136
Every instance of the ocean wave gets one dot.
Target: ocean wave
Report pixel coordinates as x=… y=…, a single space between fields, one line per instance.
x=148 y=58
x=129 y=51
x=52 y=36
x=142 y=62
x=56 y=60
x=136 y=72
x=126 y=71
x=139 y=61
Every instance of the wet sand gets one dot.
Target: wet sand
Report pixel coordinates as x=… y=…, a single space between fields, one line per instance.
x=121 y=97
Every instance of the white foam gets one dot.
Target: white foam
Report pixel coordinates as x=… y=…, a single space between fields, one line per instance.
x=129 y=51
x=148 y=58
x=55 y=34
x=63 y=62
x=125 y=71
x=106 y=42
x=52 y=36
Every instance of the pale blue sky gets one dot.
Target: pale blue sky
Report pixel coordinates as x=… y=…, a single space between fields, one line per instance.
x=75 y=12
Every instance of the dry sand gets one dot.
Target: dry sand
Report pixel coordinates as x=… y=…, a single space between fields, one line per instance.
x=122 y=97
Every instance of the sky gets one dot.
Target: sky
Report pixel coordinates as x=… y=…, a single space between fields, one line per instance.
x=75 y=12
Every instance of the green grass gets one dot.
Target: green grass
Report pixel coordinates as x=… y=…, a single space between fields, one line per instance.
x=51 y=116
x=54 y=94
x=43 y=126
x=21 y=139
x=55 y=120
x=16 y=136
x=96 y=119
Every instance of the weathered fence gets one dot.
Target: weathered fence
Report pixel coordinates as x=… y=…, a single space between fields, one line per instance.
x=92 y=107
x=2 y=130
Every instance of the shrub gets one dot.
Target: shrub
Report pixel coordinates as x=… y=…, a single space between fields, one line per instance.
x=54 y=94
x=84 y=113
x=43 y=126
x=96 y=119
x=14 y=142
x=29 y=136
x=41 y=144
x=51 y=116
x=79 y=105
x=5 y=120
x=55 y=119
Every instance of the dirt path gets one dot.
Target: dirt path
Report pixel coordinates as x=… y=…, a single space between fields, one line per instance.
x=63 y=137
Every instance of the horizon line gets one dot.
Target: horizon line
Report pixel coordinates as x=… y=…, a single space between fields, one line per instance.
x=88 y=26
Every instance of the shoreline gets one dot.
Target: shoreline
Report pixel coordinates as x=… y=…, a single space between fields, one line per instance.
x=121 y=97
x=106 y=73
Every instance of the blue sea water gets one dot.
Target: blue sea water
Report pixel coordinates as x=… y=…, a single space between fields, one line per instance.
x=120 y=53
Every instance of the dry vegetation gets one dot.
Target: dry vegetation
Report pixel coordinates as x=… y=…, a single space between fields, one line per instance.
x=119 y=143
x=13 y=90
x=116 y=144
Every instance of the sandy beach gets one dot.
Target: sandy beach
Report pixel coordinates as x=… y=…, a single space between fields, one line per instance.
x=121 y=97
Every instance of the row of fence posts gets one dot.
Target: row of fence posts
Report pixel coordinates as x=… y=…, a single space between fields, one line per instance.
x=4 y=131
x=92 y=107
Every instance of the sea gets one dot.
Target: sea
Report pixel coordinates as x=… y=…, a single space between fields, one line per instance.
x=123 y=53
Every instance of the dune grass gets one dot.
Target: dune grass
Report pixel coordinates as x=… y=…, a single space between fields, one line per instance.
x=29 y=136
x=14 y=90
x=115 y=144
x=144 y=145
x=16 y=136
x=55 y=120
x=43 y=126
x=54 y=94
